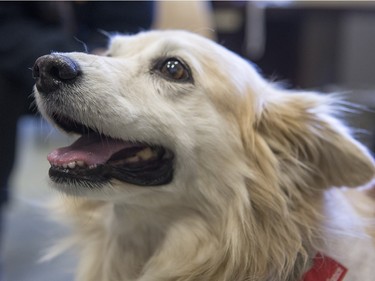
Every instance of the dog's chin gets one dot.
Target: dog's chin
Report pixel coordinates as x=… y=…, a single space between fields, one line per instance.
x=114 y=191
x=95 y=159
x=105 y=191
x=82 y=188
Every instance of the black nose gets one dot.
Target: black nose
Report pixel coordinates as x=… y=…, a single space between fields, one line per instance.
x=53 y=71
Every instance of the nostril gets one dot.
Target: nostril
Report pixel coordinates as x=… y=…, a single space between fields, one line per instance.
x=55 y=73
x=35 y=71
x=62 y=74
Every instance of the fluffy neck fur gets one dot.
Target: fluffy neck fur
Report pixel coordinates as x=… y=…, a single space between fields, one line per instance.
x=219 y=233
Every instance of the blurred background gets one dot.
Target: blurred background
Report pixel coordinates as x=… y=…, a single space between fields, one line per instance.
x=317 y=45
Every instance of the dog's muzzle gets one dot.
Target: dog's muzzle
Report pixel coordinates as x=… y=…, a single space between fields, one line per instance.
x=52 y=71
x=95 y=158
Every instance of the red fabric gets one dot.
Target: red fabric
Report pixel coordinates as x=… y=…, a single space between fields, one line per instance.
x=325 y=269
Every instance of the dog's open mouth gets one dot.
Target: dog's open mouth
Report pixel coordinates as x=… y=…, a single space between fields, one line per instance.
x=95 y=158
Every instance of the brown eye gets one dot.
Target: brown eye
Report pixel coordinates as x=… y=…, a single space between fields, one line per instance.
x=173 y=69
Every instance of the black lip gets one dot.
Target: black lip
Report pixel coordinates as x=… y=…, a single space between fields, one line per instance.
x=71 y=126
x=86 y=177
x=152 y=173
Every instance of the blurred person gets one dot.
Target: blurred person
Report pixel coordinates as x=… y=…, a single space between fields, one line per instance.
x=31 y=29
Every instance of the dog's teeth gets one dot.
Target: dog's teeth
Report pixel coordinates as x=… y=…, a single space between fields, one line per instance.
x=145 y=153
x=72 y=165
x=80 y=163
x=65 y=166
x=132 y=159
x=92 y=166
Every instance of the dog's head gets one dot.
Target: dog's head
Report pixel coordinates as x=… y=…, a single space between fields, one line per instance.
x=144 y=112
x=160 y=106
x=170 y=115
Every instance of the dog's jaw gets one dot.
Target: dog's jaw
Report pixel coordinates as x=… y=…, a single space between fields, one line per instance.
x=95 y=159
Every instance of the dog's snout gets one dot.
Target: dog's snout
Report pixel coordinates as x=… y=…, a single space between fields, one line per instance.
x=51 y=71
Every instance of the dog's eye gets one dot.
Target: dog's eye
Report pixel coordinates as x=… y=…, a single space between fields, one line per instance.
x=175 y=70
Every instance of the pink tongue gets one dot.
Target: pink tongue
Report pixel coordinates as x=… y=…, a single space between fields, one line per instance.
x=91 y=150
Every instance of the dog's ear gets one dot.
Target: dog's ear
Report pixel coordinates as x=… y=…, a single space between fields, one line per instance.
x=301 y=132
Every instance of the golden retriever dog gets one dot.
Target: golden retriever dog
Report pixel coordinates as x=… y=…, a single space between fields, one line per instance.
x=190 y=166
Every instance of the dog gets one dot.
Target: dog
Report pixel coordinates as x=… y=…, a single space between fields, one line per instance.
x=191 y=166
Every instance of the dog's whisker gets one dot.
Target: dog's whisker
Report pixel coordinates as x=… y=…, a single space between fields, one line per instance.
x=83 y=44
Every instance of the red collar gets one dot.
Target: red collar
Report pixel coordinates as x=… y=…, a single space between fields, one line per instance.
x=325 y=269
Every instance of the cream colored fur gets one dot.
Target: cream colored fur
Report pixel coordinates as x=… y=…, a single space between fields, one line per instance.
x=253 y=194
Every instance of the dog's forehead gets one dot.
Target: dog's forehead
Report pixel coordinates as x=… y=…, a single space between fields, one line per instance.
x=159 y=41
